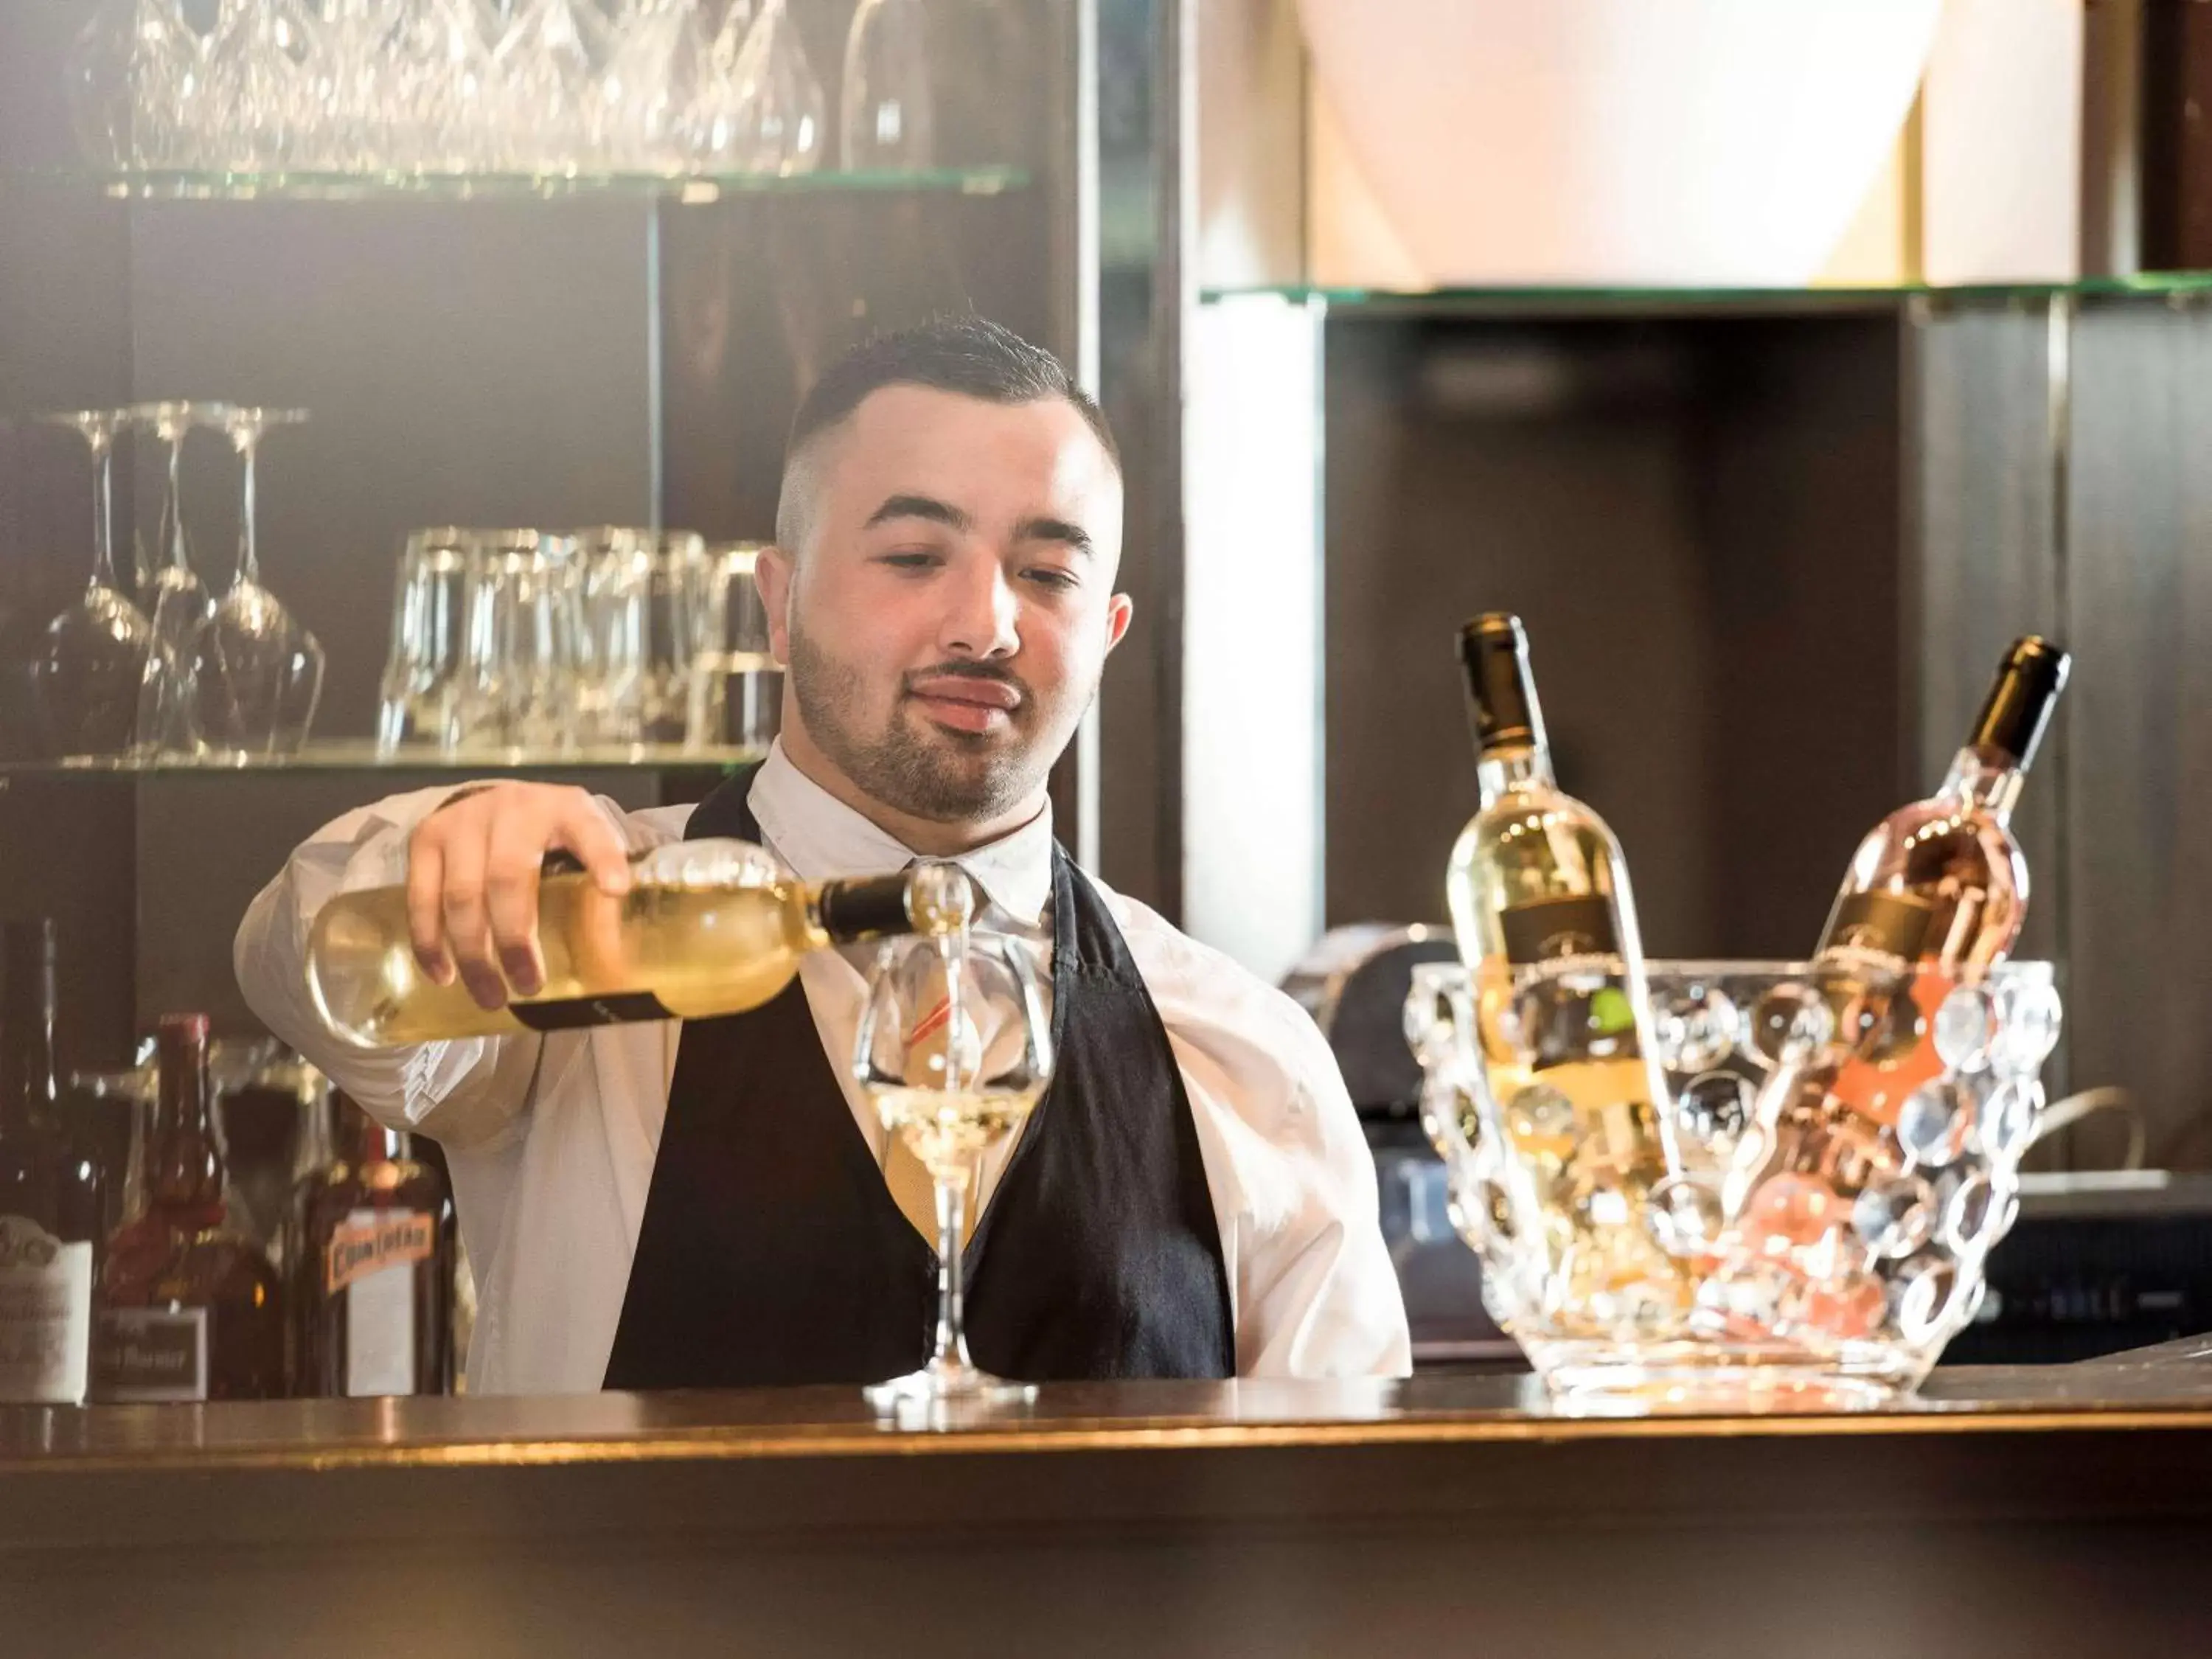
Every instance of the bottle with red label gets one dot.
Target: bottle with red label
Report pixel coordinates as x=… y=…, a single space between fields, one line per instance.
x=191 y=1308
x=372 y=1268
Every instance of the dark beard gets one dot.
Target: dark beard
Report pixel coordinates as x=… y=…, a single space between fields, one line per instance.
x=899 y=768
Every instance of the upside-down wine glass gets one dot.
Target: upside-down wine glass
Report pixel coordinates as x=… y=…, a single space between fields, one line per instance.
x=256 y=672
x=178 y=601
x=95 y=652
x=954 y=1050
x=889 y=103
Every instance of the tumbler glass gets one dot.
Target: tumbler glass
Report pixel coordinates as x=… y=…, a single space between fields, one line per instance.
x=736 y=684
x=518 y=676
x=420 y=704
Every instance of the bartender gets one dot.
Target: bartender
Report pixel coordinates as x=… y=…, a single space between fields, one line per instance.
x=713 y=1203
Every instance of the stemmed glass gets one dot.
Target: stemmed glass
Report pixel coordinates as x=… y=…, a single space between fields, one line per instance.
x=95 y=650
x=440 y=74
x=660 y=61
x=180 y=602
x=953 y=1050
x=353 y=130
x=890 y=116
x=764 y=114
x=265 y=67
x=546 y=70
x=125 y=74
x=257 y=671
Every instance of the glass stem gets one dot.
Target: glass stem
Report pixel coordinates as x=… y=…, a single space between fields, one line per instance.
x=103 y=518
x=951 y=1222
x=173 y=511
x=249 y=562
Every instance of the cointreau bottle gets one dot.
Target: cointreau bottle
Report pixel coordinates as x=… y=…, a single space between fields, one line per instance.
x=191 y=1308
x=50 y=1193
x=373 y=1270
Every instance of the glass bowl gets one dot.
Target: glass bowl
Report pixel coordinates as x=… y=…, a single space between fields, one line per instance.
x=1842 y=1163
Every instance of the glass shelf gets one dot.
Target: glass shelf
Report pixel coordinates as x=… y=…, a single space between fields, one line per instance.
x=159 y=185
x=2179 y=286
x=338 y=756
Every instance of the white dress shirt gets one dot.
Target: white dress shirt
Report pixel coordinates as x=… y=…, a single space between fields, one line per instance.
x=551 y=1138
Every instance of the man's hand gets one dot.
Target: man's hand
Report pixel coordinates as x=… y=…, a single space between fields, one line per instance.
x=472 y=868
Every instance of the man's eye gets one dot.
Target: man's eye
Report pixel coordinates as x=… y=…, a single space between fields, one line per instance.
x=1061 y=581
x=910 y=560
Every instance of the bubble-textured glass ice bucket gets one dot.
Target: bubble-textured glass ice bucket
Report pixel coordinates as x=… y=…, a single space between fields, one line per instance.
x=1810 y=1247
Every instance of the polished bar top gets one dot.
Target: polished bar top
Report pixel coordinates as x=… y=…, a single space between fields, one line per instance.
x=2159 y=1392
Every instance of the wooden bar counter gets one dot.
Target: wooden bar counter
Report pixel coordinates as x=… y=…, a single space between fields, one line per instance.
x=2008 y=1512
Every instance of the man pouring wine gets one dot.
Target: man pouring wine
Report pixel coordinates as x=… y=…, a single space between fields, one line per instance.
x=711 y=1202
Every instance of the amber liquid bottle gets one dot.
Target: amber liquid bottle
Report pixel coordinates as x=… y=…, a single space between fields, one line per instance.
x=189 y=1305
x=50 y=1193
x=373 y=1270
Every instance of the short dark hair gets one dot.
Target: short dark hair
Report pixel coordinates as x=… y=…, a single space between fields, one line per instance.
x=969 y=355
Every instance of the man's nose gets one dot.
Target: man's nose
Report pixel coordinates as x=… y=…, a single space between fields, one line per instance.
x=981 y=612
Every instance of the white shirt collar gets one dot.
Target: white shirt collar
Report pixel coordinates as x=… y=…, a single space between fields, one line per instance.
x=820 y=837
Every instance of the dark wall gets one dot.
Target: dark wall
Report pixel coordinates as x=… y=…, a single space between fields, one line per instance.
x=1698 y=519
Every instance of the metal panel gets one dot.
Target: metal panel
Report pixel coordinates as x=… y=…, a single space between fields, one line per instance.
x=2139 y=590
x=1984 y=446
x=1145 y=294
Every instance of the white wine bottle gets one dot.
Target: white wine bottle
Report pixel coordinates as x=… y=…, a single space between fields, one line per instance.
x=707 y=927
x=1547 y=924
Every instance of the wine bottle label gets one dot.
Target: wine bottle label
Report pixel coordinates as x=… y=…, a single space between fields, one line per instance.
x=1889 y=928
x=369 y=1241
x=150 y=1355
x=573 y=1013
x=371 y=1270
x=45 y=1315
x=1557 y=930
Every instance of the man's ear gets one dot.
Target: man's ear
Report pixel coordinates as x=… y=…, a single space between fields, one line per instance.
x=772 y=574
x=1119 y=610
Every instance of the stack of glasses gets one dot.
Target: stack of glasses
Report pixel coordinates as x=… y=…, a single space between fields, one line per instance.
x=539 y=87
x=164 y=669
x=522 y=642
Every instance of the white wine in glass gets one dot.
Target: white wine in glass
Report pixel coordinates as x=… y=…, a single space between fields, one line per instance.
x=954 y=1051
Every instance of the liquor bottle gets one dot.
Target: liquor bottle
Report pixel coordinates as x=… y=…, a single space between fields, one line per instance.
x=191 y=1309
x=1934 y=898
x=50 y=1192
x=1546 y=921
x=372 y=1271
x=707 y=927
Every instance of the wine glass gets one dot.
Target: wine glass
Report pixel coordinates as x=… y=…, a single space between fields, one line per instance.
x=439 y=75
x=766 y=114
x=888 y=105
x=953 y=1050
x=658 y=61
x=180 y=603
x=94 y=654
x=125 y=73
x=546 y=70
x=257 y=671
x=353 y=124
x=265 y=69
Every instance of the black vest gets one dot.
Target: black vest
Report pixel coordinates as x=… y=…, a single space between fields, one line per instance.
x=772 y=1252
